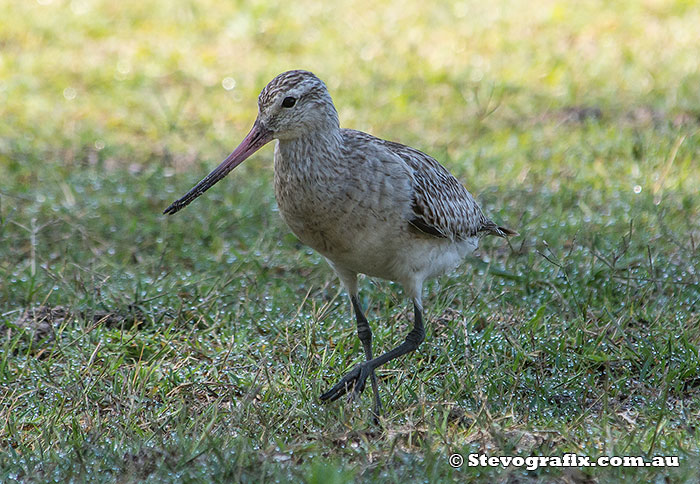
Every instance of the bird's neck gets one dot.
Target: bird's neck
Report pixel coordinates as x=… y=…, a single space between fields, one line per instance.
x=310 y=152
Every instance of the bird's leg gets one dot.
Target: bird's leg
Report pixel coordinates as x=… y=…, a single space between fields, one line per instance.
x=364 y=332
x=357 y=377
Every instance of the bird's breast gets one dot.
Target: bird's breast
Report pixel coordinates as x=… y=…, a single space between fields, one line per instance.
x=351 y=210
x=319 y=210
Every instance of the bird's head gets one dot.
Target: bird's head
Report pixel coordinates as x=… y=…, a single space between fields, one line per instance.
x=293 y=105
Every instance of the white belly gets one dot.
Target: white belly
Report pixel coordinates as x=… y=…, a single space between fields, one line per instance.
x=393 y=252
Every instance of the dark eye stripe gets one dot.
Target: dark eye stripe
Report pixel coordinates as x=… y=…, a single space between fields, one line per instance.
x=288 y=102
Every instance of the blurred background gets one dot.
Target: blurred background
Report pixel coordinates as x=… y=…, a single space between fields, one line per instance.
x=171 y=82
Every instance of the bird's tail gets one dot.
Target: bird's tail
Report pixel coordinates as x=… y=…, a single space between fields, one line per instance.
x=505 y=232
x=493 y=229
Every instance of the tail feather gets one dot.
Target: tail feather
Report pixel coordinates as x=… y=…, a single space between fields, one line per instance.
x=505 y=232
x=493 y=229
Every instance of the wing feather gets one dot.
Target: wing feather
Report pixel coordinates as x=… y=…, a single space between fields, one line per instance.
x=441 y=206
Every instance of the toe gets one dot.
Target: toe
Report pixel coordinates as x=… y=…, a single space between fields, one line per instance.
x=361 y=379
x=347 y=383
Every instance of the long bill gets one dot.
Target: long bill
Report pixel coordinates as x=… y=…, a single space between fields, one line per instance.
x=258 y=137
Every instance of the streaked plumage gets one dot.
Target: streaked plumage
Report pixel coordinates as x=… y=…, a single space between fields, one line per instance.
x=369 y=206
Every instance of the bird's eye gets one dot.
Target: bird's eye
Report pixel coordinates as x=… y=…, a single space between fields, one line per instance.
x=288 y=102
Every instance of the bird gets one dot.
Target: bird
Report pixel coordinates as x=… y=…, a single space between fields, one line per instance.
x=367 y=205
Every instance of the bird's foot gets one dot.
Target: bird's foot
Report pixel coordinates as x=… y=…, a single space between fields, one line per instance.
x=353 y=380
x=376 y=414
x=377 y=410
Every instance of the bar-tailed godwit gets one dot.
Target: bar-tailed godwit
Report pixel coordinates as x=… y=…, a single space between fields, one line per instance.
x=367 y=205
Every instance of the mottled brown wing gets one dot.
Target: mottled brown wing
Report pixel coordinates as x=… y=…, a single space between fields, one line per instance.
x=441 y=205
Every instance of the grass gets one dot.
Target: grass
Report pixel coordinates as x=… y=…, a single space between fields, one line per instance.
x=136 y=347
